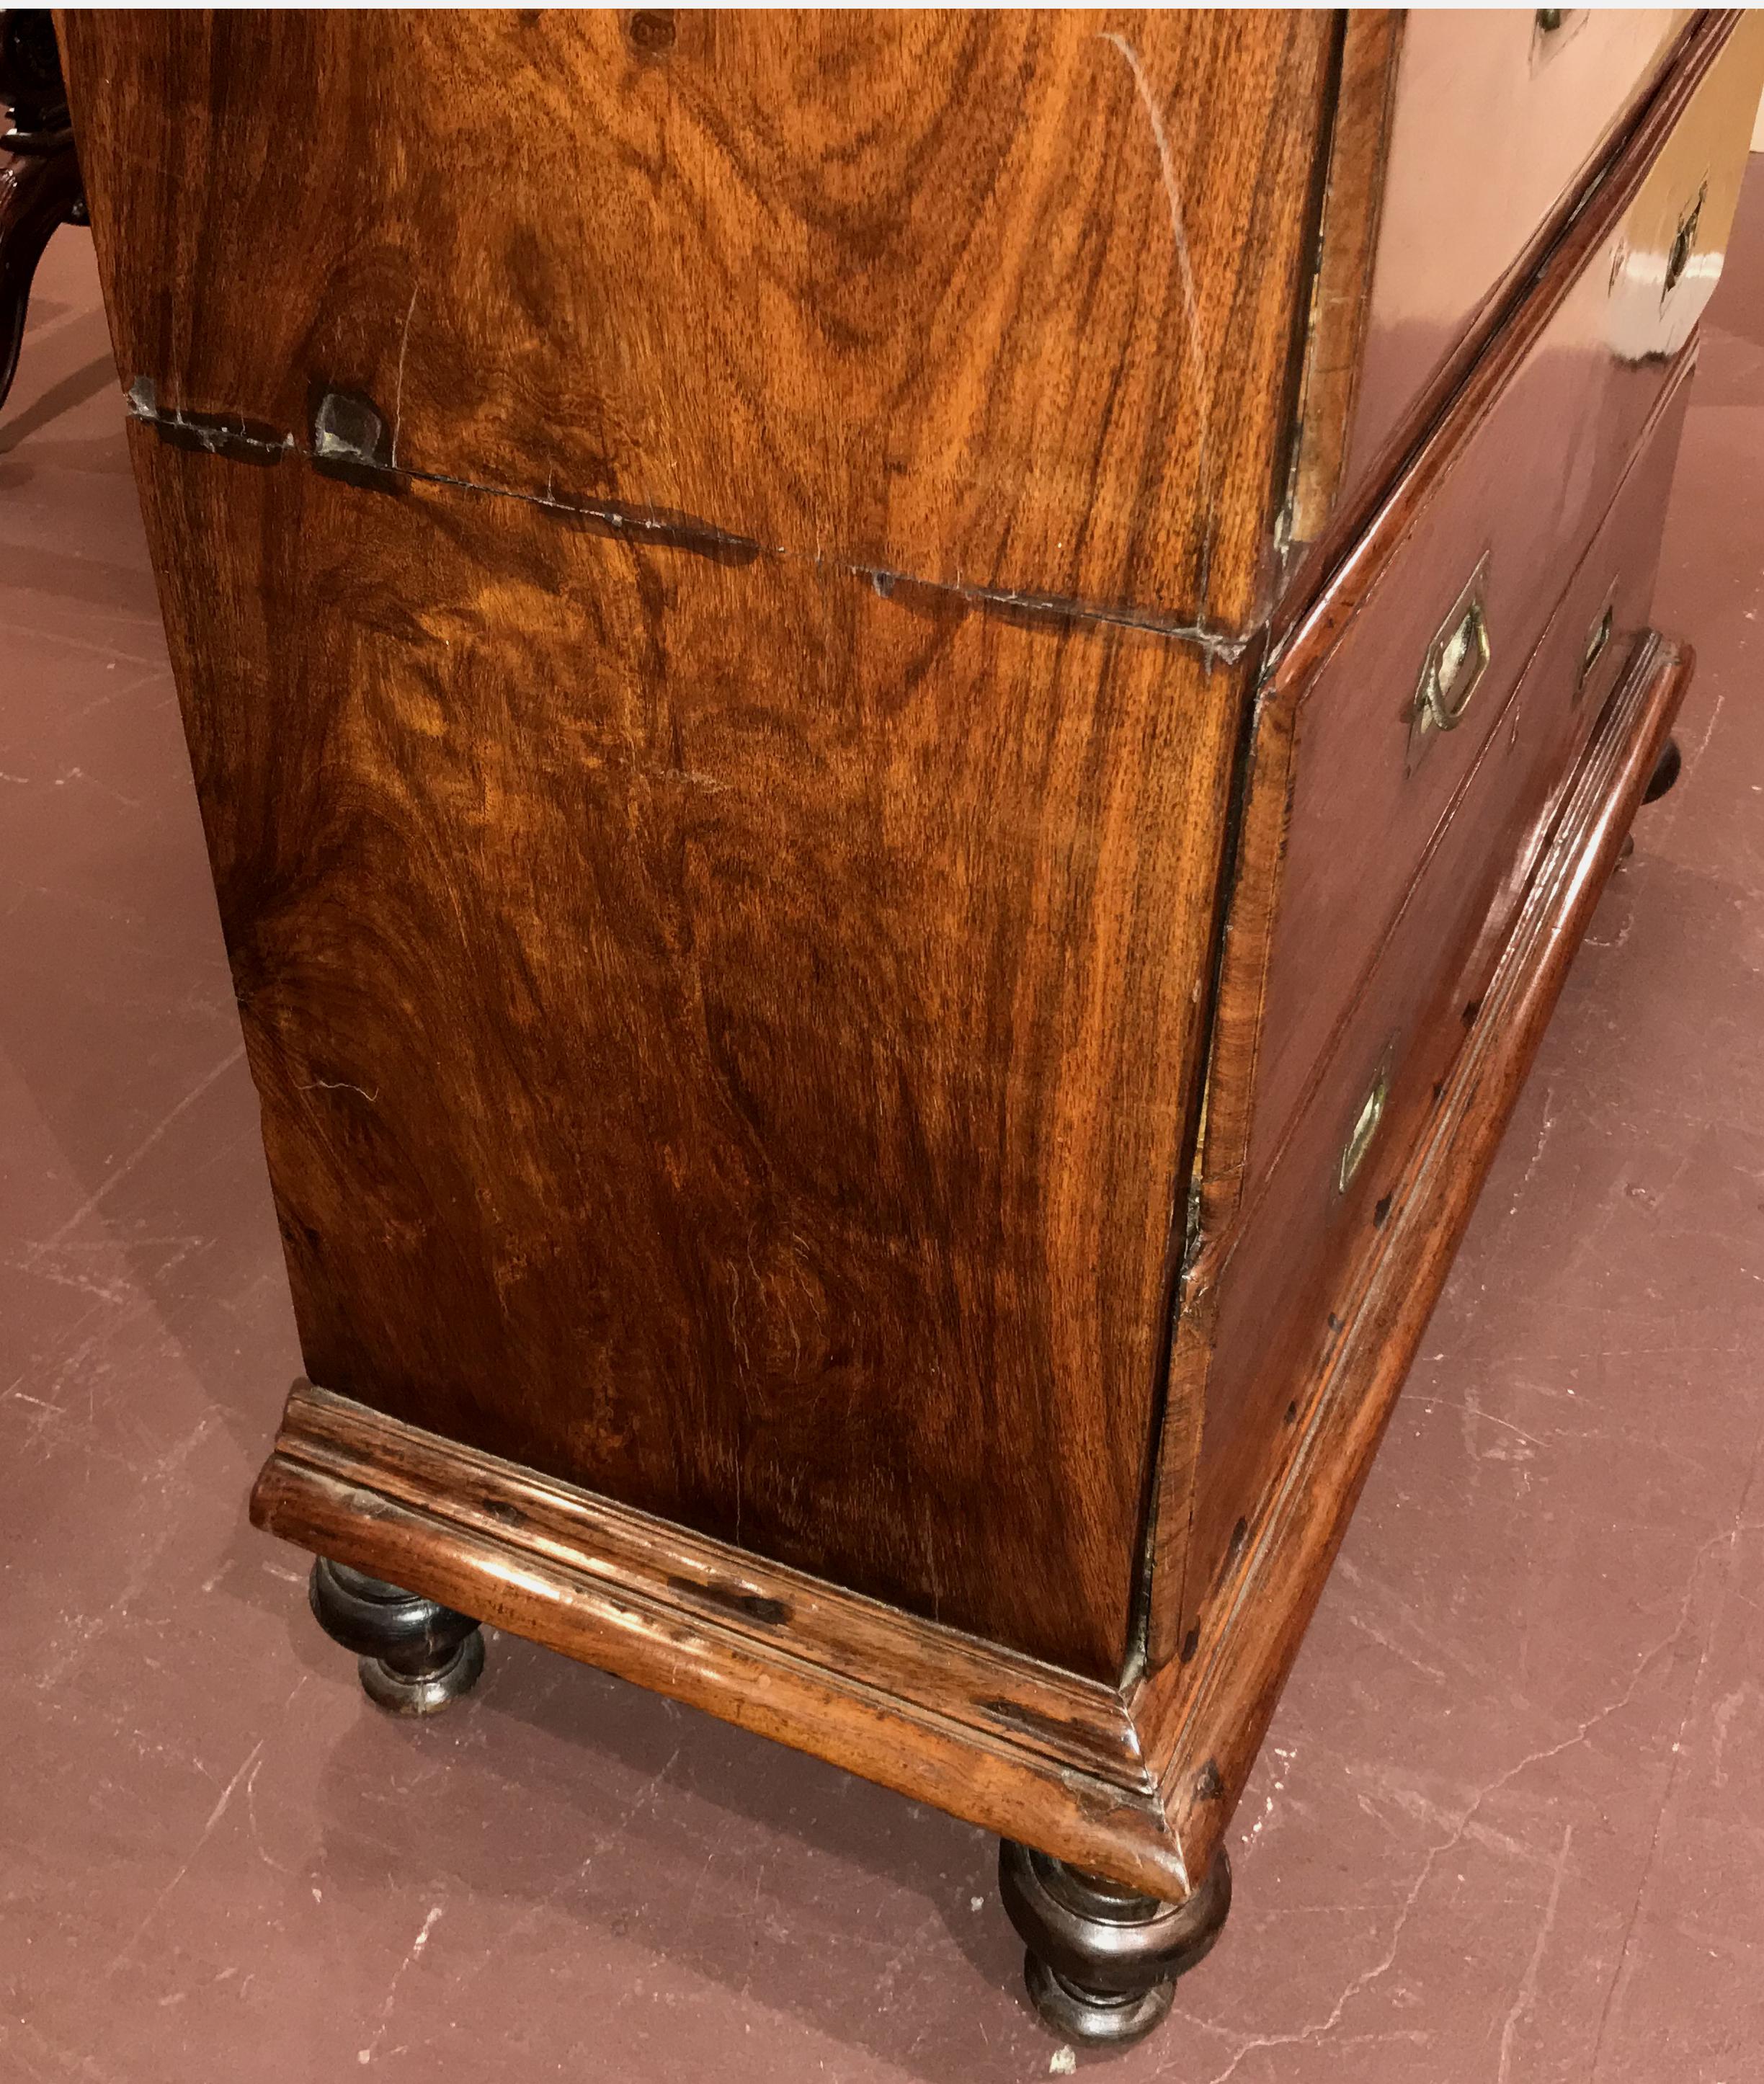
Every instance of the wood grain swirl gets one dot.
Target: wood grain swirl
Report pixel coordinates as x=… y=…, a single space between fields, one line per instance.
x=683 y=999
x=1002 y=299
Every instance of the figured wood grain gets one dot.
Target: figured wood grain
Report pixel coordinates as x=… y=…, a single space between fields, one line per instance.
x=1007 y=302
x=1201 y=1726
x=1004 y=300
x=684 y=996
x=718 y=798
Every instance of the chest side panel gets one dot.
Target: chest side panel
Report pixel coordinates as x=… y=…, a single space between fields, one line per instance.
x=724 y=1029
x=995 y=299
x=707 y=557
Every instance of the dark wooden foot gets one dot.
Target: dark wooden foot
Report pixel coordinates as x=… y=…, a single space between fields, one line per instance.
x=1666 y=771
x=416 y=1656
x=37 y=194
x=40 y=183
x=1103 y=1960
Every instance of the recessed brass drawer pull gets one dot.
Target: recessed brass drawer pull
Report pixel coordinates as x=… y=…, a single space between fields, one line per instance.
x=1684 y=243
x=1365 y=1127
x=1456 y=662
x=1598 y=637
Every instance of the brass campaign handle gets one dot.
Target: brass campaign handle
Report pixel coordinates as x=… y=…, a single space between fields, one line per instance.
x=1456 y=662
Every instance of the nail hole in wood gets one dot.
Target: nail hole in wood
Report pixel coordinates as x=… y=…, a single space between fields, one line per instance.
x=651 y=30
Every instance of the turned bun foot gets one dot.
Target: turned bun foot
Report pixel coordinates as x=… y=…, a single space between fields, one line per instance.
x=1666 y=771
x=1103 y=1958
x=416 y=1656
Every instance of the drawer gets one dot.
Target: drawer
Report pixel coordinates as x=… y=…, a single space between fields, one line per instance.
x=1309 y=1231
x=1494 y=119
x=1501 y=530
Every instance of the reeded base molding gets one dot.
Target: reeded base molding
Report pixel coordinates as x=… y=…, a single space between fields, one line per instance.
x=1023 y=1750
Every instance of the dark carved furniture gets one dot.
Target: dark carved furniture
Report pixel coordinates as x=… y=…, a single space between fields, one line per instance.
x=40 y=186
x=904 y=721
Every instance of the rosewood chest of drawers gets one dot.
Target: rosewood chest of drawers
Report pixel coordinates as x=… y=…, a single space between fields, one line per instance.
x=904 y=722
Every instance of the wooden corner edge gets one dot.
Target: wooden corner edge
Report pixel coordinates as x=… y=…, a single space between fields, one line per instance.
x=1204 y=1723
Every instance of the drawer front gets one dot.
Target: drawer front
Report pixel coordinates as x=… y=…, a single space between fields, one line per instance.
x=1381 y=748
x=1309 y=1231
x=1496 y=118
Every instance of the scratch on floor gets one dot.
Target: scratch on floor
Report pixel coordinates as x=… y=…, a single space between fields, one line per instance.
x=145 y=1570
x=1536 y=1156
x=575 y=1875
x=118 y=1291
x=1285 y=1758
x=1461 y=1829
x=1395 y=1648
x=366 y=2054
x=104 y=788
x=251 y=1797
x=1471 y=1409
x=1714 y=717
x=119 y=1173
x=1528 y=1984
x=1412 y=1802
x=1722 y=1715
x=214 y=1816
x=68 y=2063
x=1623 y=933
x=1730 y=1539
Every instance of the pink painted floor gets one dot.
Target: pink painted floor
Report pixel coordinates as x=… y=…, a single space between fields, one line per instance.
x=1509 y=1826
